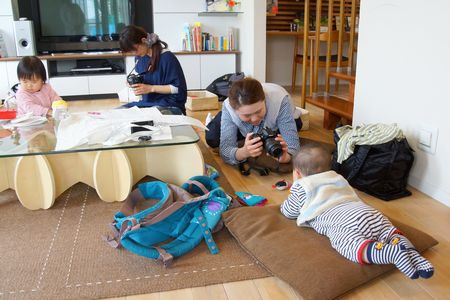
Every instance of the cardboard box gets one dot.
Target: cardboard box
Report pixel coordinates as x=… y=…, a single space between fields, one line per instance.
x=202 y=100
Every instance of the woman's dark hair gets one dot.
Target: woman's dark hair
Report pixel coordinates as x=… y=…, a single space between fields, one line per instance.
x=132 y=35
x=31 y=66
x=245 y=92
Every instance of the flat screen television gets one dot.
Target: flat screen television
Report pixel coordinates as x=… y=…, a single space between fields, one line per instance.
x=83 y=25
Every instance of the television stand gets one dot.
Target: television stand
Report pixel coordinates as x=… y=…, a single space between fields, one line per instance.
x=87 y=74
x=91 y=70
x=85 y=53
x=77 y=66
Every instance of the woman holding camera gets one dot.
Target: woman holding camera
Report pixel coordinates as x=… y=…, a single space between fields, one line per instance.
x=255 y=110
x=161 y=80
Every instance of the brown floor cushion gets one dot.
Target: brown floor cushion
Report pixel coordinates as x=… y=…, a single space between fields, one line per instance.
x=302 y=257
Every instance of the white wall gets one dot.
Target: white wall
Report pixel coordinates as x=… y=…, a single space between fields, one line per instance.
x=6 y=26
x=403 y=77
x=280 y=53
x=253 y=39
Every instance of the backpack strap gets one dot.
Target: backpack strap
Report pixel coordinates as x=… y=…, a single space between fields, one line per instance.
x=185 y=198
x=129 y=205
x=164 y=256
x=198 y=184
x=112 y=238
x=206 y=232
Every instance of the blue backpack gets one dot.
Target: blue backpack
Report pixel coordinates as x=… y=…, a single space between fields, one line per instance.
x=157 y=211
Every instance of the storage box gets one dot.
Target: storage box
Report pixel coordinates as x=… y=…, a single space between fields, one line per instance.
x=202 y=100
x=7 y=114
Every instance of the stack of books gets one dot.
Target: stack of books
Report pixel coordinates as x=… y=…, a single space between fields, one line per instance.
x=193 y=39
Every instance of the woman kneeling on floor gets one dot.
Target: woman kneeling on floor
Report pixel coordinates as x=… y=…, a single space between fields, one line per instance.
x=253 y=118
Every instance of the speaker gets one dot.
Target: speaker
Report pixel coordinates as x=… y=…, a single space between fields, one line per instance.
x=24 y=36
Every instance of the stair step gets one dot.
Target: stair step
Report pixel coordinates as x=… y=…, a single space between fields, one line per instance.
x=344 y=76
x=333 y=105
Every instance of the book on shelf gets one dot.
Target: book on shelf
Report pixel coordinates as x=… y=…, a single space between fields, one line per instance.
x=194 y=39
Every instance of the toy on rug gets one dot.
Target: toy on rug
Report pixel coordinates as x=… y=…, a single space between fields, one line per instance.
x=248 y=199
x=281 y=185
x=211 y=172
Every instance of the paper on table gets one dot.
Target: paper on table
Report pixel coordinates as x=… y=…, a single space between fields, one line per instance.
x=81 y=129
x=176 y=120
x=124 y=134
x=25 y=121
x=113 y=126
x=148 y=113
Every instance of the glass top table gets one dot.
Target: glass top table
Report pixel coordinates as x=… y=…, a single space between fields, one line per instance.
x=30 y=165
x=41 y=140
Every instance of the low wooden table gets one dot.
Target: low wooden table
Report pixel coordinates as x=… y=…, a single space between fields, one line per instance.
x=39 y=174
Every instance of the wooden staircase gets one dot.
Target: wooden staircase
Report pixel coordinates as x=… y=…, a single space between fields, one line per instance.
x=337 y=109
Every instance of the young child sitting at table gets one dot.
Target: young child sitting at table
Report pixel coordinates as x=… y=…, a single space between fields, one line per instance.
x=34 y=94
x=324 y=200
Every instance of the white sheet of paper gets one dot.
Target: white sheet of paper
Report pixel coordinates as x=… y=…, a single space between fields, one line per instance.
x=112 y=127
x=177 y=120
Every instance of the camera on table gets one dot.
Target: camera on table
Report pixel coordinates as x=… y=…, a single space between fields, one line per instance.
x=272 y=146
x=135 y=79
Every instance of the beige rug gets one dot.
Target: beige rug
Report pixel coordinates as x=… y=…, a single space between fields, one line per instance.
x=59 y=254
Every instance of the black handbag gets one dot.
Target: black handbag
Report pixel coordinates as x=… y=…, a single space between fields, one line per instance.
x=379 y=170
x=220 y=86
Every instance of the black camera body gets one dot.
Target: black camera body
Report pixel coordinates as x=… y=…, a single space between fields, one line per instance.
x=135 y=79
x=272 y=146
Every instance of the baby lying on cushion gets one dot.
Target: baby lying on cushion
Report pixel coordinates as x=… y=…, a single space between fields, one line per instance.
x=324 y=200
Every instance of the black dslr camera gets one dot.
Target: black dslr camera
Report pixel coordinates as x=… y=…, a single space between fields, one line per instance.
x=135 y=79
x=272 y=146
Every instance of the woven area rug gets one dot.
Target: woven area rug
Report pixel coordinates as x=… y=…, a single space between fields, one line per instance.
x=59 y=254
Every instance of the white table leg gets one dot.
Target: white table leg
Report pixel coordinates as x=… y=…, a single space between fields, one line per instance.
x=7 y=167
x=34 y=182
x=174 y=164
x=71 y=168
x=112 y=175
x=39 y=179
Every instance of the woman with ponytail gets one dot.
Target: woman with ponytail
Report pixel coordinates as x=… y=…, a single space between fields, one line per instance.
x=163 y=83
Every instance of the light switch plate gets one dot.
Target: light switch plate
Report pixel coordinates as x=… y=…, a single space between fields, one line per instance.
x=427 y=140
x=425 y=137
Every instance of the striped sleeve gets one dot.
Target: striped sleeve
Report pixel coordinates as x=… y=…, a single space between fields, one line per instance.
x=292 y=205
x=228 y=138
x=287 y=127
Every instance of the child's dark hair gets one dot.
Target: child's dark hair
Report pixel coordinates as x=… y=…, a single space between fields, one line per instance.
x=312 y=159
x=31 y=66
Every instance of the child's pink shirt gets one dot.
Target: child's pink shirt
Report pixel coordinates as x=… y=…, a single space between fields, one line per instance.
x=38 y=103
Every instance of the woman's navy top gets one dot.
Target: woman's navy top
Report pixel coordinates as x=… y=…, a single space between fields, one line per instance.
x=168 y=72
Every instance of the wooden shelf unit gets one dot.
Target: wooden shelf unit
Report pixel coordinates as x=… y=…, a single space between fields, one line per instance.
x=287 y=12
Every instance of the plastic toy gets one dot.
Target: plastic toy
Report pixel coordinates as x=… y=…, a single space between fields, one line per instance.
x=281 y=185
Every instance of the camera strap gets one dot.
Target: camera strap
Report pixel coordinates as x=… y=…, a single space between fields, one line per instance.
x=246 y=171
x=134 y=68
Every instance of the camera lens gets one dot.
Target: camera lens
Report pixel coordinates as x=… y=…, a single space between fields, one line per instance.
x=135 y=78
x=273 y=147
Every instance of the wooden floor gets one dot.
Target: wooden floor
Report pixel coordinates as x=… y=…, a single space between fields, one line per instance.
x=418 y=210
